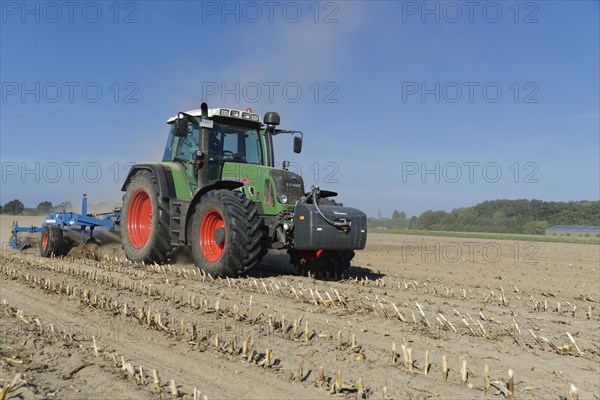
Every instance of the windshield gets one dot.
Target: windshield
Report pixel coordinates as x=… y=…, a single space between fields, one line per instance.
x=227 y=143
x=234 y=143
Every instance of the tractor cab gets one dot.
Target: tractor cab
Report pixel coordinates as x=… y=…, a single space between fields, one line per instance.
x=238 y=147
x=231 y=139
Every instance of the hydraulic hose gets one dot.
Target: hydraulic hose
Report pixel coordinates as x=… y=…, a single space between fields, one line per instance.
x=345 y=226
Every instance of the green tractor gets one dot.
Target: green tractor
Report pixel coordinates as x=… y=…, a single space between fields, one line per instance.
x=217 y=190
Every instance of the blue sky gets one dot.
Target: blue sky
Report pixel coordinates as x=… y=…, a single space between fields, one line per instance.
x=498 y=101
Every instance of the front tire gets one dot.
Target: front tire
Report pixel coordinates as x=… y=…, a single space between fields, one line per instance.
x=226 y=235
x=145 y=221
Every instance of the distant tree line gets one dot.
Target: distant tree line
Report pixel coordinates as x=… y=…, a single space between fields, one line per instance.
x=498 y=216
x=16 y=207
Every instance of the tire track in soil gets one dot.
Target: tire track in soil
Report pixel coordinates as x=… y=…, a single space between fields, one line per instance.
x=50 y=368
x=217 y=289
x=173 y=359
x=372 y=338
x=564 y=273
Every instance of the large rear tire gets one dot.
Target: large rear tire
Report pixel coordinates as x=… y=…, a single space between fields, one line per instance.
x=226 y=234
x=145 y=221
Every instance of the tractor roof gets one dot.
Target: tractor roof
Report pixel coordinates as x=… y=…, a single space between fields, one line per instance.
x=223 y=112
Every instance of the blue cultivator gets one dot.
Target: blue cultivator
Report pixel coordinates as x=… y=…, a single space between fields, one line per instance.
x=60 y=222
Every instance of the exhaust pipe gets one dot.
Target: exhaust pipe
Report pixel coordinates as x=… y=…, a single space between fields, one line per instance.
x=204 y=142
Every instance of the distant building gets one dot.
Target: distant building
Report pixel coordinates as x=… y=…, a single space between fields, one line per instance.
x=573 y=230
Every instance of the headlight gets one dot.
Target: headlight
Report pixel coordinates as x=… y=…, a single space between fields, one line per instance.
x=224 y=112
x=283 y=198
x=235 y=113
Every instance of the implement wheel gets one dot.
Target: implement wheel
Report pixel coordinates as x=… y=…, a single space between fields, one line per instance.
x=226 y=234
x=145 y=221
x=51 y=243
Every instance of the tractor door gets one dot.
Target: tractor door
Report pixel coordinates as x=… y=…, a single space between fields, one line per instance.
x=184 y=152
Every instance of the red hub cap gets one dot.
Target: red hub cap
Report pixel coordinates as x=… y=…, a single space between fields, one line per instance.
x=44 y=241
x=212 y=235
x=139 y=219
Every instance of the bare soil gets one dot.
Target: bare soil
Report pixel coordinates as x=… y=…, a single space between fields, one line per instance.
x=83 y=325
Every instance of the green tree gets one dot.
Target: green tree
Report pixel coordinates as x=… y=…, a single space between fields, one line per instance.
x=535 y=227
x=399 y=219
x=44 y=207
x=14 y=207
x=412 y=222
x=498 y=218
x=430 y=220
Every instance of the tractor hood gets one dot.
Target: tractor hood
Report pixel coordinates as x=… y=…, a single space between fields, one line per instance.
x=276 y=189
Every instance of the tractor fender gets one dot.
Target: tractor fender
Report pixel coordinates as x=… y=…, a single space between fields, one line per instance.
x=164 y=177
x=227 y=185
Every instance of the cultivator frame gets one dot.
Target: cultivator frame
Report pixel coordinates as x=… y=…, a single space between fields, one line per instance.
x=68 y=222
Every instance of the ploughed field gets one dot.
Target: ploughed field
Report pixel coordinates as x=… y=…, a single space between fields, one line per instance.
x=416 y=317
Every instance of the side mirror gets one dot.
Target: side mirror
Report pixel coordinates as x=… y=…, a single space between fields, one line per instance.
x=181 y=127
x=297 y=144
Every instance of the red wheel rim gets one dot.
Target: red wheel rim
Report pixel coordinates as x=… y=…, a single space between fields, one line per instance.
x=211 y=250
x=44 y=241
x=139 y=219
